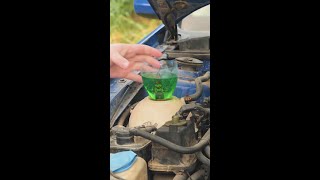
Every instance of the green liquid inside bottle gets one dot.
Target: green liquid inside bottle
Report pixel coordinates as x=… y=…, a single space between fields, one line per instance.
x=160 y=87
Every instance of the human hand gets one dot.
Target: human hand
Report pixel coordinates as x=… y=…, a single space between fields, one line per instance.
x=125 y=58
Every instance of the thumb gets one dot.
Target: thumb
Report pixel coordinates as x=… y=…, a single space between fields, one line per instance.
x=119 y=60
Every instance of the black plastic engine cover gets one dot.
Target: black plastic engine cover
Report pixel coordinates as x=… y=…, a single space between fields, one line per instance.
x=180 y=135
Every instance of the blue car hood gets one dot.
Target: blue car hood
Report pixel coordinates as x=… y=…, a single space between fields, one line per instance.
x=172 y=12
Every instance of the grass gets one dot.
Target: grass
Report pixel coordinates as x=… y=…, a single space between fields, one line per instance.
x=125 y=25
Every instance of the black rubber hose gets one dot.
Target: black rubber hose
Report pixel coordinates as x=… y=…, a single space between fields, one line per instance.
x=207 y=151
x=203 y=158
x=197 y=175
x=205 y=77
x=179 y=149
x=189 y=107
x=125 y=114
x=199 y=87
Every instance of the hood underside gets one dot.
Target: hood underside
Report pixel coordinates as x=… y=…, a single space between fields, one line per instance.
x=172 y=12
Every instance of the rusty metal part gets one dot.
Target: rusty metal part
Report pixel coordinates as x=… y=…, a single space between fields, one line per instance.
x=187 y=99
x=189 y=61
x=199 y=54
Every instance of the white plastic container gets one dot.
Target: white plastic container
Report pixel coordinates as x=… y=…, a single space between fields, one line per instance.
x=154 y=112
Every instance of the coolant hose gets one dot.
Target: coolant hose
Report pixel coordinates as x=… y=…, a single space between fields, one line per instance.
x=179 y=149
x=203 y=158
x=198 y=92
x=207 y=151
x=197 y=175
x=205 y=77
x=189 y=107
x=199 y=87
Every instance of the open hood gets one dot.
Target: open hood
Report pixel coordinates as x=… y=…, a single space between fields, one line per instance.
x=172 y=12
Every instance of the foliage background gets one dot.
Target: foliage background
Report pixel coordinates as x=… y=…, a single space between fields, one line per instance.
x=125 y=25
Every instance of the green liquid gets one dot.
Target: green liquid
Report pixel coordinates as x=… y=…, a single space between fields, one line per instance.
x=160 y=88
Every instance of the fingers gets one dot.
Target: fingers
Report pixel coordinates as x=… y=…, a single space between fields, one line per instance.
x=134 y=77
x=139 y=66
x=117 y=59
x=146 y=68
x=146 y=50
x=137 y=54
x=144 y=58
x=136 y=66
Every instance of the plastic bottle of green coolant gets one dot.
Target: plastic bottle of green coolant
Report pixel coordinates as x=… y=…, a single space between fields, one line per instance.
x=160 y=87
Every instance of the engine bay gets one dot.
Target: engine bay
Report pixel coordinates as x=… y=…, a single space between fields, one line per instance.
x=172 y=137
x=168 y=139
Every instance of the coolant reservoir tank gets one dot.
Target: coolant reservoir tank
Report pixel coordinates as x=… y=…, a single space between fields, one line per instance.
x=158 y=112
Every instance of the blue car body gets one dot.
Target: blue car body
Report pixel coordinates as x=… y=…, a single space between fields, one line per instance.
x=143 y=7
